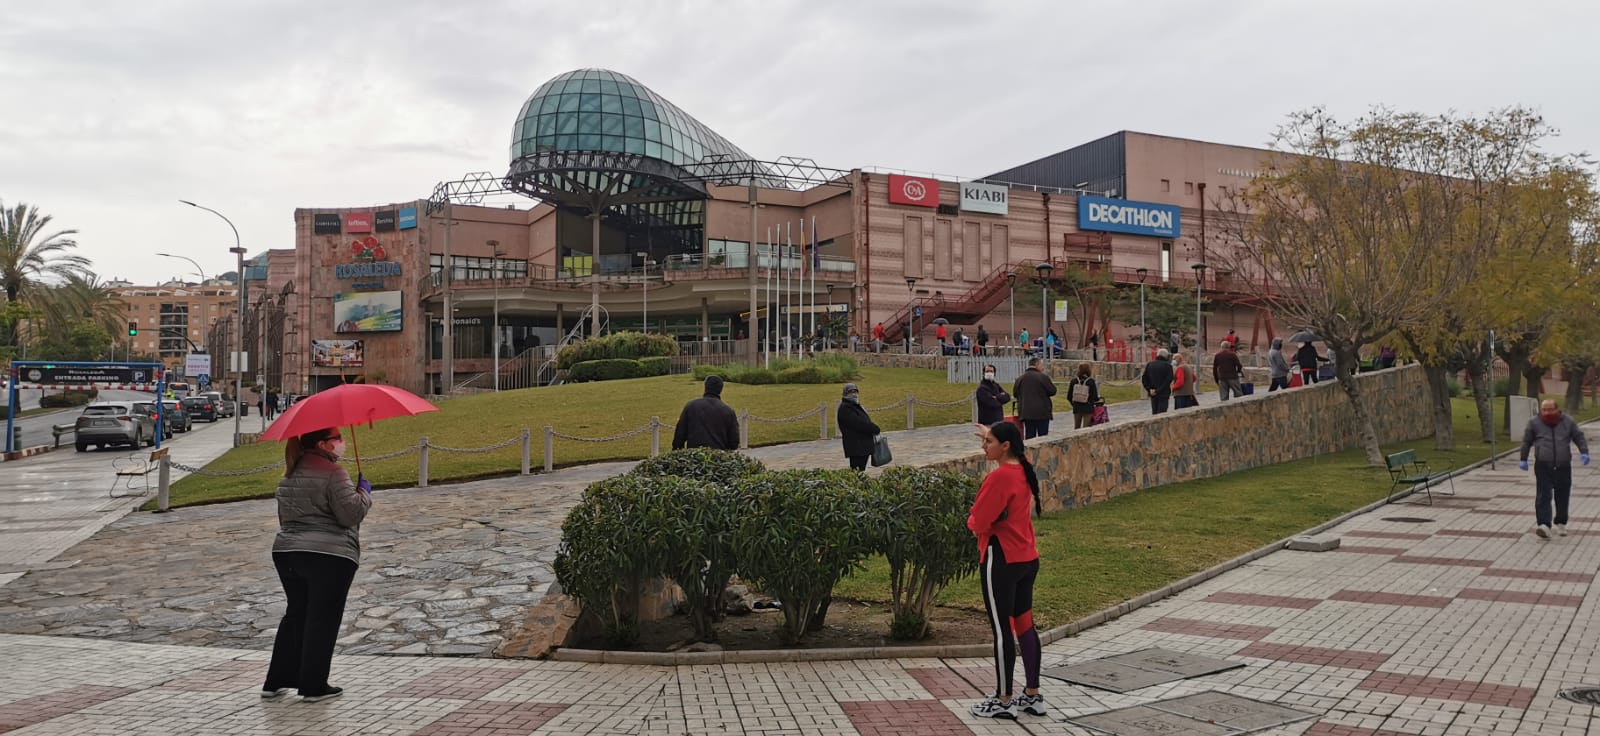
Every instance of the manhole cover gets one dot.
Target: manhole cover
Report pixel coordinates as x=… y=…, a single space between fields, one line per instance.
x=1582 y=695
x=1408 y=519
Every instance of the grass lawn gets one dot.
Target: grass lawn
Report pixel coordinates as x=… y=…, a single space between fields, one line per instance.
x=1106 y=553
x=585 y=410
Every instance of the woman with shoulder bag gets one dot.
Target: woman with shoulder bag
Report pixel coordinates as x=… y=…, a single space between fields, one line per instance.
x=1084 y=393
x=856 y=429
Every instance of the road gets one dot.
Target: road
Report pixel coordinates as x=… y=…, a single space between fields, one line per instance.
x=36 y=428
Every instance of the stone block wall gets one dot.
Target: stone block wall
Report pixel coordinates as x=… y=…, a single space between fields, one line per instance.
x=1061 y=369
x=1080 y=467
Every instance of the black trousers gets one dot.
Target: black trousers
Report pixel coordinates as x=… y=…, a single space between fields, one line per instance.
x=1007 y=593
x=315 y=585
x=1551 y=483
x=1278 y=383
x=1158 y=403
x=858 y=463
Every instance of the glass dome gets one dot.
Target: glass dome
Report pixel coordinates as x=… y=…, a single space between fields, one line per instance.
x=600 y=110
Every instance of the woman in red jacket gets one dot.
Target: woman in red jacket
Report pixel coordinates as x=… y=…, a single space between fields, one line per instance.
x=1008 y=564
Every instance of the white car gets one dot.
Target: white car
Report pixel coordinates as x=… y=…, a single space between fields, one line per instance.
x=225 y=407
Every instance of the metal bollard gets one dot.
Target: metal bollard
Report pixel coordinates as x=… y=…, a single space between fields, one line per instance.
x=549 y=448
x=655 y=436
x=744 y=429
x=974 y=408
x=911 y=411
x=822 y=410
x=527 y=451
x=164 y=485
x=422 y=463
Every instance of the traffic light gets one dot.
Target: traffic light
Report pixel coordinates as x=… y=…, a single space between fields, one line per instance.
x=133 y=328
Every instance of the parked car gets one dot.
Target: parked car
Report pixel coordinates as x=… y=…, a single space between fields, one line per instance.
x=116 y=423
x=177 y=418
x=225 y=406
x=200 y=407
x=180 y=389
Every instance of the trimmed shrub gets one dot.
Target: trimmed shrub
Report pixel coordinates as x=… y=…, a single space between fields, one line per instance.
x=606 y=551
x=630 y=345
x=702 y=372
x=803 y=374
x=659 y=365
x=754 y=377
x=823 y=369
x=799 y=531
x=921 y=518
x=607 y=369
x=699 y=463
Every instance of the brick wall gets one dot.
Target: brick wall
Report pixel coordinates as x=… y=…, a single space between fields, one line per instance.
x=1080 y=467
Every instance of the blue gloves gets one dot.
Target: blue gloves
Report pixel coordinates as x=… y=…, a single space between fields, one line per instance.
x=1522 y=465
x=365 y=486
x=1585 y=458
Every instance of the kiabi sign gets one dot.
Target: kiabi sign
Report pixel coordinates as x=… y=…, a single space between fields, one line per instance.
x=986 y=198
x=1124 y=216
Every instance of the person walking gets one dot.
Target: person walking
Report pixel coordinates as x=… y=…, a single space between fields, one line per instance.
x=940 y=333
x=1550 y=436
x=1033 y=391
x=991 y=398
x=1094 y=346
x=1278 y=365
x=1175 y=343
x=1185 y=382
x=856 y=429
x=1084 y=393
x=316 y=553
x=1024 y=340
x=1050 y=343
x=1001 y=520
x=1157 y=381
x=272 y=404
x=1306 y=358
x=1227 y=370
x=707 y=421
x=983 y=340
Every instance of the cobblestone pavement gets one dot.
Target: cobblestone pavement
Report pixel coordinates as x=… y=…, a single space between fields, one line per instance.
x=446 y=570
x=1461 y=624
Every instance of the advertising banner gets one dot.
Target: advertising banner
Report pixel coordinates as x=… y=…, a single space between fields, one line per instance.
x=337 y=353
x=197 y=364
x=913 y=190
x=986 y=198
x=358 y=222
x=327 y=224
x=1061 y=310
x=367 y=311
x=1124 y=216
x=383 y=221
x=83 y=374
x=408 y=218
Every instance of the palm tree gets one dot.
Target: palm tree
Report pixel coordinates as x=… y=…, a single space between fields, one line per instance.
x=28 y=255
x=82 y=298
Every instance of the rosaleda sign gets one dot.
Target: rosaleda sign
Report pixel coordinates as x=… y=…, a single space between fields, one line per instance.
x=1124 y=216
x=373 y=270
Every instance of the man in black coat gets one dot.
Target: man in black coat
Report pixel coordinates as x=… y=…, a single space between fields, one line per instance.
x=855 y=429
x=1157 y=381
x=991 y=398
x=707 y=421
x=1034 y=407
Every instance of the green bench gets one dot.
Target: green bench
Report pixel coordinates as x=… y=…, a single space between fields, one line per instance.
x=1408 y=471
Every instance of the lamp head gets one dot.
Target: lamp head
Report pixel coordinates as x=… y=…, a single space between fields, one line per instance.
x=1011 y=278
x=1044 y=269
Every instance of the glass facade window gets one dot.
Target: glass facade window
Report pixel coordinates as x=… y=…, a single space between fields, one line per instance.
x=474 y=268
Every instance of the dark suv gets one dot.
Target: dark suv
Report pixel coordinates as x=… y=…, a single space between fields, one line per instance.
x=200 y=407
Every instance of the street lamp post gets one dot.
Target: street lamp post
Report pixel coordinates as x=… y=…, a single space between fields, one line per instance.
x=203 y=280
x=1044 y=270
x=827 y=339
x=1144 y=353
x=1011 y=305
x=494 y=245
x=238 y=251
x=1199 y=289
x=911 y=301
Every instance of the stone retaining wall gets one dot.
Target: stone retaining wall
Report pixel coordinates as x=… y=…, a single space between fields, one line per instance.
x=1079 y=467
x=1062 y=369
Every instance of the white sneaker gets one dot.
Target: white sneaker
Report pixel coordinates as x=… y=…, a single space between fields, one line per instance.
x=1561 y=530
x=1031 y=704
x=1543 y=531
x=992 y=708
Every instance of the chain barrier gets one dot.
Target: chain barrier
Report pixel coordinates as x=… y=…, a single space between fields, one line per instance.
x=224 y=473
x=942 y=404
x=623 y=436
x=794 y=418
x=895 y=405
x=388 y=456
x=468 y=450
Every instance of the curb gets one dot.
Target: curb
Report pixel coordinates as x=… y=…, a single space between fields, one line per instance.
x=1105 y=615
x=25 y=452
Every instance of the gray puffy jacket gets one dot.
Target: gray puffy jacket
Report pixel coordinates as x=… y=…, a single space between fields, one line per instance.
x=320 y=510
x=1553 y=445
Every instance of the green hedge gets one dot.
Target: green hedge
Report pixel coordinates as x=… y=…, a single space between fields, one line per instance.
x=630 y=345
x=609 y=369
x=826 y=368
x=700 y=516
x=656 y=366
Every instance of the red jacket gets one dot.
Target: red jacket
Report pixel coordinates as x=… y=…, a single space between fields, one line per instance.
x=1005 y=492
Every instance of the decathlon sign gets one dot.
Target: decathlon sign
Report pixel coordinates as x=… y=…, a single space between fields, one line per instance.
x=1124 y=216
x=985 y=198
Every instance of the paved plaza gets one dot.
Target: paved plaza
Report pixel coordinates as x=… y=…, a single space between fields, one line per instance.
x=1460 y=623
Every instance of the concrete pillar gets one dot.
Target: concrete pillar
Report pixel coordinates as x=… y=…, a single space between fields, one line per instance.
x=705 y=320
x=561 y=316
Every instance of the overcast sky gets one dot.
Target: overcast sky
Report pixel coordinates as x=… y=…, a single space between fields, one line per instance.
x=116 y=110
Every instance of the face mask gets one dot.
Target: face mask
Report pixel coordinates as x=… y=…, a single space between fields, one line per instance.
x=338 y=448
x=1551 y=419
x=988 y=376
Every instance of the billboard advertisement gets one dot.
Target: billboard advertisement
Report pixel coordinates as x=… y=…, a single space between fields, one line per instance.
x=325 y=224
x=408 y=218
x=985 y=198
x=913 y=190
x=337 y=354
x=1125 y=216
x=367 y=311
x=383 y=221
x=358 y=222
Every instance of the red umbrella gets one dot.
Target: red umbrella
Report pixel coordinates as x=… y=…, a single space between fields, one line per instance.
x=346 y=405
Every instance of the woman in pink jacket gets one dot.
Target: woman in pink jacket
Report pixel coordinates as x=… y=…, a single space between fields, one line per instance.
x=1009 y=563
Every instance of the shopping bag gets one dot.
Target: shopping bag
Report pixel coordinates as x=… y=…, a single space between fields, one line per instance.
x=1012 y=418
x=1247 y=389
x=881 y=455
x=1100 y=416
x=1294 y=380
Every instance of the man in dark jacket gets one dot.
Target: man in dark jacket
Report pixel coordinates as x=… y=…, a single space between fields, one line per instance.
x=707 y=421
x=991 y=398
x=1157 y=381
x=1227 y=369
x=1306 y=359
x=1033 y=391
x=1550 y=435
x=855 y=428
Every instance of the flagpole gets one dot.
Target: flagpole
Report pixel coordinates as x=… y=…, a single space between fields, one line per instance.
x=766 y=346
x=788 y=286
x=804 y=336
x=816 y=262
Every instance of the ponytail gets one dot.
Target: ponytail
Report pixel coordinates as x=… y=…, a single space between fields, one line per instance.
x=1033 y=478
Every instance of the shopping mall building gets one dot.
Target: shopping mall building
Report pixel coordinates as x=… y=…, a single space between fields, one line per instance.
x=603 y=159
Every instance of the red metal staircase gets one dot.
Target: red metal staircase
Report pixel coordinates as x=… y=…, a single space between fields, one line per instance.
x=962 y=309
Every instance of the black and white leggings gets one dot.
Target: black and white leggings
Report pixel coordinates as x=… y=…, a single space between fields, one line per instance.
x=1008 y=597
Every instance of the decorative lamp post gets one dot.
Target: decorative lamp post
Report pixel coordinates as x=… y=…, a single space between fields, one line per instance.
x=1011 y=305
x=203 y=305
x=911 y=298
x=1044 y=270
x=1144 y=353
